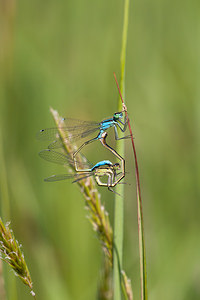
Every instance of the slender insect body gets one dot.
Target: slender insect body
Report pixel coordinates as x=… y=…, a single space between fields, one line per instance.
x=76 y=129
x=102 y=163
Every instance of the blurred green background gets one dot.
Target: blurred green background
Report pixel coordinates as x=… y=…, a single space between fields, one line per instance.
x=63 y=54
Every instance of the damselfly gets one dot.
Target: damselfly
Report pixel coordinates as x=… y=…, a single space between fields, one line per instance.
x=99 y=170
x=76 y=129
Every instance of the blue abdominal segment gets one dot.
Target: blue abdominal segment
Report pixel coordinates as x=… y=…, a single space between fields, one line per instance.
x=101 y=163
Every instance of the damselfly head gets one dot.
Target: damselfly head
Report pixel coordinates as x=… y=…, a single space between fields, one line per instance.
x=117 y=116
x=117 y=166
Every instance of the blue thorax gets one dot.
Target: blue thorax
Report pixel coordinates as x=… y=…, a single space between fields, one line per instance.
x=107 y=124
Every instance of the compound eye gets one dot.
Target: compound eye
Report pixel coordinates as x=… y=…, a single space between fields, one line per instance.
x=117 y=165
x=118 y=115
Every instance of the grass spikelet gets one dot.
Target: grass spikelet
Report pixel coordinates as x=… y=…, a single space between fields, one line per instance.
x=10 y=252
x=97 y=216
x=127 y=286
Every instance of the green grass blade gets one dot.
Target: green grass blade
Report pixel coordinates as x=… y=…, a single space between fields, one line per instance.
x=119 y=204
x=119 y=201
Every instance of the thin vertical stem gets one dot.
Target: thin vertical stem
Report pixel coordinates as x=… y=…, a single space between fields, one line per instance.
x=143 y=274
x=119 y=200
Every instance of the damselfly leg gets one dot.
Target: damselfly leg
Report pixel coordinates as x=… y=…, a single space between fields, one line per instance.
x=122 y=173
x=74 y=130
x=98 y=171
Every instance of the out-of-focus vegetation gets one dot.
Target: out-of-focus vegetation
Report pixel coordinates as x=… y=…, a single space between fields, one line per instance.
x=63 y=54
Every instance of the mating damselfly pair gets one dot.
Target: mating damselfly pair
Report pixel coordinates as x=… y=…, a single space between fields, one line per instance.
x=71 y=130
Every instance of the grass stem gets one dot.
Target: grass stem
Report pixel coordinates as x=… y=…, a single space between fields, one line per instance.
x=119 y=201
x=143 y=274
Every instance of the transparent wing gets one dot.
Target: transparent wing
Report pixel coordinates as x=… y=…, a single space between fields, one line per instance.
x=83 y=176
x=62 y=159
x=75 y=124
x=75 y=176
x=59 y=177
x=55 y=157
x=76 y=129
x=58 y=143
